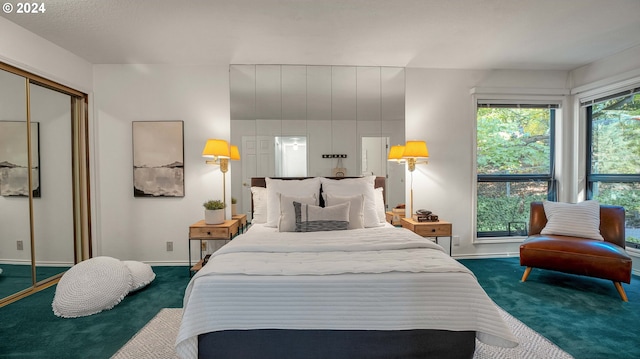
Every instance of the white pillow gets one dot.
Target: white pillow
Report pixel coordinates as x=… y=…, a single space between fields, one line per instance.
x=141 y=273
x=287 y=221
x=353 y=186
x=293 y=188
x=91 y=286
x=310 y=218
x=573 y=219
x=380 y=209
x=356 y=208
x=259 y=196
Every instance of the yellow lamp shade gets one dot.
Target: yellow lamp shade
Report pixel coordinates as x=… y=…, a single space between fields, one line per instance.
x=415 y=149
x=235 y=153
x=395 y=153
x=216 y=149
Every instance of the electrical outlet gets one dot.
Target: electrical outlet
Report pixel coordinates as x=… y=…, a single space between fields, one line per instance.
x=456 y=241
x=169 y=246
x=20 y=246
x=203 y=246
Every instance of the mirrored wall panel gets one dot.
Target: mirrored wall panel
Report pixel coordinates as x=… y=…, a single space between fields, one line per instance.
x=15 y=228
x=53 y=210
x=43 y=182
x=355 y=112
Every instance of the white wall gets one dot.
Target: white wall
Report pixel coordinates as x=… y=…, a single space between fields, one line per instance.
x=439 y=110
x=611 y=69
x=138 y=228
x=29 y=52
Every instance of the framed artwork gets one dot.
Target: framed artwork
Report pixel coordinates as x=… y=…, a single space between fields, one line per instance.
x=158 y=158
x=14 y=175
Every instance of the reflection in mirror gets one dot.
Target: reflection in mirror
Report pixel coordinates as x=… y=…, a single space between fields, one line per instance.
x=333 y=107
x=15 y=232
x=374 y=156
x=291 y=156
x=53 y=211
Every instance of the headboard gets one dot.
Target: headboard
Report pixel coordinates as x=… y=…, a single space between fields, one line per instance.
x=261 y=182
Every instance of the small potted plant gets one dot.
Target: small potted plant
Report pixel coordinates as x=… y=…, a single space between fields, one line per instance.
x=234 y=206
x=213 y=212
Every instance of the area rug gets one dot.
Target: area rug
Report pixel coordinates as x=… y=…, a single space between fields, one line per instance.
x=156 y=341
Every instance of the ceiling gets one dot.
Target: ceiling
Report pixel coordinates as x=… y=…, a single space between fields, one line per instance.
x=449 y=34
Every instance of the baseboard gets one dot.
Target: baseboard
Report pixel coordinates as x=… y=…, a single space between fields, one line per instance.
x=168 y=263
x=16 y=261
x=487 y=255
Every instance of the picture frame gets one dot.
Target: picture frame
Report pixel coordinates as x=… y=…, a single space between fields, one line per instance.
x=158 y=158
x=14 y=177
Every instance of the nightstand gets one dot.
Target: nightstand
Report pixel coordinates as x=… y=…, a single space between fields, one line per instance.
x=201 y=231
x=429 y=229
x=242 y=221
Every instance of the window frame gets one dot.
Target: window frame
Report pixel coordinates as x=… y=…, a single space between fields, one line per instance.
x=553 y=104
x=592 y=178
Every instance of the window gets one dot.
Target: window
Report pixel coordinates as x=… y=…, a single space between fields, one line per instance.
x=613 y=156
x=515 y=148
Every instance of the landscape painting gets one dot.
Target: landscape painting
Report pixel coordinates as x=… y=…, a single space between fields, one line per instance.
x=158 y=159
x=14 y=167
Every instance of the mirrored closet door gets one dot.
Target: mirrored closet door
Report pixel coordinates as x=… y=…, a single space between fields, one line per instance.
x=44 y=226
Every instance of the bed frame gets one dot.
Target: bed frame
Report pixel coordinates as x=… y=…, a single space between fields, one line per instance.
x=335 y=344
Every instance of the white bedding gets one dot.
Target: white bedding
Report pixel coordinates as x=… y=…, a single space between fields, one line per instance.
x=364 y=279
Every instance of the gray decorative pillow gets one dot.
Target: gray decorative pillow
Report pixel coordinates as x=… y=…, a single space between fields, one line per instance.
x=287 y=222
x=573 y=219
x=356 y=208
x=310 y=218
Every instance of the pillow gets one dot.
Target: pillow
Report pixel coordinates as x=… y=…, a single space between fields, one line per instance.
x=141 y=274
x=380 y=209
x=310 y=218
x=287 y=221
x=570 y=219
x=91 y=286
x=353 y=186
x=356 y=208
x=259 y=197
x=293 y=188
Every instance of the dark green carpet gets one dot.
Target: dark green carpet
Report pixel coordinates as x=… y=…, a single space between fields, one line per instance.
x=584 y=316
x=29 y=329
x=15 y=278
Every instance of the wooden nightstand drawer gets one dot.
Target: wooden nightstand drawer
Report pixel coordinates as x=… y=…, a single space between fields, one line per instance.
x=433 y=230
x=202 y=231
x=208 y=233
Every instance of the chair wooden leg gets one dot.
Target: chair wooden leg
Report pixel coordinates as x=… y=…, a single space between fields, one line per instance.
x=526 y=273
x=623 y=295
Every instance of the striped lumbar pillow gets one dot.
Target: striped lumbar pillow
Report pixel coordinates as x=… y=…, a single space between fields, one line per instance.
x=310 y=218
x=573 y=219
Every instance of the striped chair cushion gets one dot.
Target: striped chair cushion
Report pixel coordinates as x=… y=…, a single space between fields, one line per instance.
x=576 y=220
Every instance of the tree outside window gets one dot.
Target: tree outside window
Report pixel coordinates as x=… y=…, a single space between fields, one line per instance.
x=613 y=164
x=514 y=165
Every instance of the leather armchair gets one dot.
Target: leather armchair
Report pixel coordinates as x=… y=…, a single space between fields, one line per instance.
x=589 y=257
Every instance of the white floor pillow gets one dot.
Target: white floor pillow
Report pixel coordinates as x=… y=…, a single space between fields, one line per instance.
x=141 y=273
x=91 y=286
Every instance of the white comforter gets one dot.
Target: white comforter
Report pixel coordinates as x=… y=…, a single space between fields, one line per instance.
x=375 y=279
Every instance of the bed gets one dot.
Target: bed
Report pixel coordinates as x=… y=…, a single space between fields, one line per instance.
x=373 y=291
